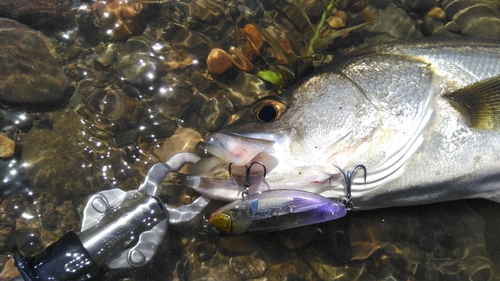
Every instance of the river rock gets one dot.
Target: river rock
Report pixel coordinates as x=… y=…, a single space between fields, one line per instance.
x=418 y=4
x=137 y=64
x=7 y=147
x=9 y=270
x=478 y=18
x=248 y=267
x=39 y=14
x=392 y=24
x=29 y=74
x=293 y=269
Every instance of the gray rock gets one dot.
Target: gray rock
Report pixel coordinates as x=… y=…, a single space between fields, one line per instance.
x=43 y=14
x=138 y=63
x=29 y=74
x=476 y=18
x=418 y=4
x=140 y=69
x=392 y=24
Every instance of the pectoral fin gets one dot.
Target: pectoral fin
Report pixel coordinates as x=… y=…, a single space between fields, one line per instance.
x=480 y=103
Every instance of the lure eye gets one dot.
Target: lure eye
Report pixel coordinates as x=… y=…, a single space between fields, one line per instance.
x=269 y=109
x=235 y=213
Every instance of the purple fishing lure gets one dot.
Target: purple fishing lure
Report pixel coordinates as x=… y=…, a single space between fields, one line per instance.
x=274 y=210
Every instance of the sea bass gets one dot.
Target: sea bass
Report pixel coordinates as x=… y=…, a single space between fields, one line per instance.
x=422 y=117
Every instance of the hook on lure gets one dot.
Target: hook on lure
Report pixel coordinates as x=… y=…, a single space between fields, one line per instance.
x=279 y=209
x=248 y=182
x=348 y=177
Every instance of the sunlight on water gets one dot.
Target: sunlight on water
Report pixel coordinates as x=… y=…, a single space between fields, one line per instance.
x=147 y=79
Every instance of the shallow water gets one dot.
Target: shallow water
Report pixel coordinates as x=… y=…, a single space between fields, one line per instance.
x=152 y=86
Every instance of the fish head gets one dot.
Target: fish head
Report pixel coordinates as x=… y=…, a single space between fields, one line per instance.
x=299 y=137
x=387 y=109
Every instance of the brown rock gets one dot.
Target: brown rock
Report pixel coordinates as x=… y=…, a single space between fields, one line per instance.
x=437 y=13
x=7 y=147
x=119 y=19
x=218 y=61
x=9 y=271
x=29 y=74
x=39 y=14
x=336 y=22
x=254 y=38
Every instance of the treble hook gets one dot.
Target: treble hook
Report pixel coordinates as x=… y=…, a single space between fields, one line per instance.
x=247 y=179
x=247 y=176
x=347 y=200
x=247 y=183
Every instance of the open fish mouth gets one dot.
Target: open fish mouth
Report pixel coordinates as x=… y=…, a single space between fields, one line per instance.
x=222 y=171
x=233 y=153
x=232 y=161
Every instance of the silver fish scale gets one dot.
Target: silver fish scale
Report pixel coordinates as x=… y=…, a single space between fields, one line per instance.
x=390 y=90
x=327 y=116
x=459 y=63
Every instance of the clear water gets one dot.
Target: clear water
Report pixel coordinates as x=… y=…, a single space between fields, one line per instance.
x=140 y=99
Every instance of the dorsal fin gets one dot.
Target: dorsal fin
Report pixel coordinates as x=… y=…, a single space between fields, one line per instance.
x=480 y=103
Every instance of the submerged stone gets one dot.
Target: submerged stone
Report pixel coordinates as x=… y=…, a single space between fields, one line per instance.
x=7 y=147
x=29 y=74
x=418 y=4
x=138 y=65
x=120 y=19
x=392 y=24
x=43 y=14
x=248 y=267
x=480 y=19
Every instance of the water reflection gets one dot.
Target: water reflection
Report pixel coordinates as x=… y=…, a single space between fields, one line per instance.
x=436 y=242
x=154 y=85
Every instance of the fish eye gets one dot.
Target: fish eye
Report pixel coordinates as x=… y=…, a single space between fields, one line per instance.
x=269 y=109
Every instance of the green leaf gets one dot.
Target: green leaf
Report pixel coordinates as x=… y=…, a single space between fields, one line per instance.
x=273 y=77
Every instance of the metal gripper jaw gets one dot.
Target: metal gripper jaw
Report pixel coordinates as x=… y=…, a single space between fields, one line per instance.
x=137 y=217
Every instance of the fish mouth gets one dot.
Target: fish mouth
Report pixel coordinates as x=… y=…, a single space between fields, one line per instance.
x=261 y=160
x=225 y=171
x=234 y=153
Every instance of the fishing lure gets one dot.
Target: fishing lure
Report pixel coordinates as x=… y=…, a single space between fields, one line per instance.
x=279 y=209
